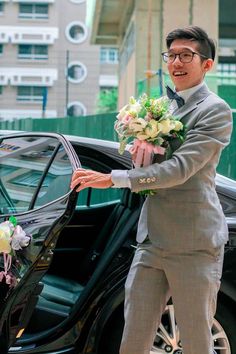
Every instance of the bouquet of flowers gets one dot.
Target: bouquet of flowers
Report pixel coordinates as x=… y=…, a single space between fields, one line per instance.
x=149 y=126
x=12 y=239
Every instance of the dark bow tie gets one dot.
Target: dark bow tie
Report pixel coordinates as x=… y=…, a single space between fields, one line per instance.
x=174 y=96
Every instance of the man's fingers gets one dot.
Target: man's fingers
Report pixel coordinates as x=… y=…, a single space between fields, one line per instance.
x=88 y=178
x=78 y=176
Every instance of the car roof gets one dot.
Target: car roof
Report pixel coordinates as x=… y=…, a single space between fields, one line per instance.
x=224 y=184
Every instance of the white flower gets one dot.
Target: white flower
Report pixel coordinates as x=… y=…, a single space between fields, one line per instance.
x=4 y=242
x=134 y=107
x=165 y=126
x=137 y=125
x=152 y=129
x=19 y=239
x=6 y=230
x=132 y=100
x=178 y=125
x=142 y=136
x=7 y=227
x=122 y=113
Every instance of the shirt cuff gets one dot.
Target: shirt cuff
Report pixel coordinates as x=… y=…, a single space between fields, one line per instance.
x=120 y=179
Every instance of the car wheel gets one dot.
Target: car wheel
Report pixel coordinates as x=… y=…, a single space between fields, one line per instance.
x=224 y=330
x=168 y=337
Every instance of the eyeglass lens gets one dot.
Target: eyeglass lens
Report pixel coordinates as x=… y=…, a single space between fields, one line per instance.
x=184 y=57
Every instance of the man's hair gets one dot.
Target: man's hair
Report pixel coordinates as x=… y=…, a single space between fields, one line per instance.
x=206 y=45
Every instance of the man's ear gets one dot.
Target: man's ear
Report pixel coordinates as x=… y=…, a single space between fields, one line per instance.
x=208 y=64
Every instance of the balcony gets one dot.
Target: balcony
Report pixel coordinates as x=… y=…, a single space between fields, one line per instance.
x=28 y=35
x=28 y=77
x=13 y=114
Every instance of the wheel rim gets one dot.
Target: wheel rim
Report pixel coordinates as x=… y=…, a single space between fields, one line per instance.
x=167 y=338
x=221 y=342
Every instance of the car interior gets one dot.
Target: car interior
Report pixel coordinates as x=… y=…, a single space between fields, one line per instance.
x=103 y=221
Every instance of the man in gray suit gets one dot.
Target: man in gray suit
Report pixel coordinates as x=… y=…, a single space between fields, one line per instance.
x=182 y=229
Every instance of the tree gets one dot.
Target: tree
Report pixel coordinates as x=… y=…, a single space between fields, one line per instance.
x=107 y=101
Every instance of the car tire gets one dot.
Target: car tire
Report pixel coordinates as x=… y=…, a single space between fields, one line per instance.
x=223 y=328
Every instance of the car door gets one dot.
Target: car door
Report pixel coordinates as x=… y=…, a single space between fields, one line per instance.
x=35 y=174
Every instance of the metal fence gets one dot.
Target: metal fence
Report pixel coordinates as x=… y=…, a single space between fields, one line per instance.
x=101 y=126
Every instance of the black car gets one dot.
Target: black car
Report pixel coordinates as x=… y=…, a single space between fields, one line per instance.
x=69 y=281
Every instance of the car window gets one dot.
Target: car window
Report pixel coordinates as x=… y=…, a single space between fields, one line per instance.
x=92 y=197
x=57 y=180
x=29 y=169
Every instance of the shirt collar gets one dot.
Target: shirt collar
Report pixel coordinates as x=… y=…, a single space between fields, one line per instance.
x=185 y=94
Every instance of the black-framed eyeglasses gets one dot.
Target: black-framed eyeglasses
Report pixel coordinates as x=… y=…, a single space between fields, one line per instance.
x=184 y=57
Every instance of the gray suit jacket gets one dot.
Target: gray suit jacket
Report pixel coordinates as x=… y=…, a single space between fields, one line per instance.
x=185 y=213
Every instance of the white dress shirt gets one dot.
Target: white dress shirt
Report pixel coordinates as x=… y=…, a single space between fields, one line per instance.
x=120 y=178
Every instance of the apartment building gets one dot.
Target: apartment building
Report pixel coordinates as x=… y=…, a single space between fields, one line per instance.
x=48 y=68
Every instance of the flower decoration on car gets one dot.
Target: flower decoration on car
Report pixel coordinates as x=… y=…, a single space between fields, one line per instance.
x=12 y=238
x=148 y=124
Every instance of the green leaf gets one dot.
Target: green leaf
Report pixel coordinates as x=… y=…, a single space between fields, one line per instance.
x=107 y=101
x=147 y=192
x=13 y=220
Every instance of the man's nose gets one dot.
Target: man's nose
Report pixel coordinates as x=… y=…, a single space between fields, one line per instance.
x=177 y=61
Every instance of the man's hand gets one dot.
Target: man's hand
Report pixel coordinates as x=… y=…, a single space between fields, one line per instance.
x=88 y=178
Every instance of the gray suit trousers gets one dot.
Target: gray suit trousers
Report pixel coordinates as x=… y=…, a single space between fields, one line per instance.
x=192 y=278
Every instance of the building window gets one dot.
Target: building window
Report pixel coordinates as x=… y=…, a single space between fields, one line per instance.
x=30 y=93
x=109 y=55
x=33 y=11
x=227 y=68
x=1 y=49
x=76 y=109
x=32 y=51
x=77 y=72
x=1 y=7
x=76 y=32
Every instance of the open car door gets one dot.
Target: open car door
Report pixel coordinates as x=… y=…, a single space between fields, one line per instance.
x=35 y=195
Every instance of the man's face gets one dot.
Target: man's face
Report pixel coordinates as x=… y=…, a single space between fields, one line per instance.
x=187 y=75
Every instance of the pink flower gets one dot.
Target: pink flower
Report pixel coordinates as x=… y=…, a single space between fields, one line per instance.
x=148 y=116
x=126 y=119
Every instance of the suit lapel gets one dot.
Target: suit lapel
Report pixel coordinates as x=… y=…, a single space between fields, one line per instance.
x=193 y=101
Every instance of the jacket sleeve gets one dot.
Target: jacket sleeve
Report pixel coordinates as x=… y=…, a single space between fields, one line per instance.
x=203 y=143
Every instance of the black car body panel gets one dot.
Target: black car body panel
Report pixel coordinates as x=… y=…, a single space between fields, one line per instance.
x=78 y=260
x=43 y=224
